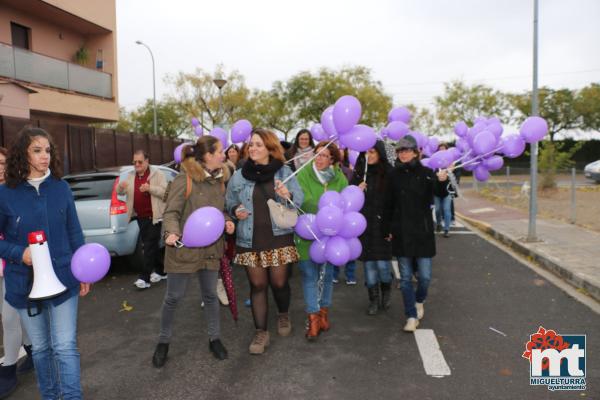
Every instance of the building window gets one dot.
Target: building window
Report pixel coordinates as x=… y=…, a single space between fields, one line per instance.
x=20 y=35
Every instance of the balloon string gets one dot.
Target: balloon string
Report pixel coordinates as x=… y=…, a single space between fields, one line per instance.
x=366 y=166
x=308 y=162
x=475 y=160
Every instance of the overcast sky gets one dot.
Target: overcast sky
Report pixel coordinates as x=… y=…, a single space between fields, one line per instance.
x=411 y=46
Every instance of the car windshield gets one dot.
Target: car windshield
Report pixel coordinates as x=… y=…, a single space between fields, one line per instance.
x=95 y=187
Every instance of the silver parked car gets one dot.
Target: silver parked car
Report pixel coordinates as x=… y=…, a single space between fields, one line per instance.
x=103 y=213
x=592 y=171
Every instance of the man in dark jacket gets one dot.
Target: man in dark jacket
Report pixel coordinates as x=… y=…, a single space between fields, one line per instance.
x=408 y=224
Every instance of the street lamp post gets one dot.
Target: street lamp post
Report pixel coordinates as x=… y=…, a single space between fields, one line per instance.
x=220 y=83
x=531 y=234
x=153 y=83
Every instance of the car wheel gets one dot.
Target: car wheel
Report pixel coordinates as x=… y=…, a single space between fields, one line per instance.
x=136 y=259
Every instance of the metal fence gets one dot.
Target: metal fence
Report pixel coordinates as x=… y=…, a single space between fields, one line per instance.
x=84 y=148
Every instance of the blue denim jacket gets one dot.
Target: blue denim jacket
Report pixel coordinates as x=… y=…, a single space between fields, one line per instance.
x=240 y=190
x=52 y=210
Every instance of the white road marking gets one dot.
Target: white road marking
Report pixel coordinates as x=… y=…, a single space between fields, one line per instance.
x=482 y=210
x=431 y=354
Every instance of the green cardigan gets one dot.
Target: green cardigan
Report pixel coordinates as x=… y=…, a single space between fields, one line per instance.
x=313 y=189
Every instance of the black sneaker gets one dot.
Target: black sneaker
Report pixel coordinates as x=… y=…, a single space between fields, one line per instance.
x=160 y=355
x=438 y=228
x=8 y=379
x=217 y=348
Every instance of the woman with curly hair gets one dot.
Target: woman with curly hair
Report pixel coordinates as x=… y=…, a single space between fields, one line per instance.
x=35 y=198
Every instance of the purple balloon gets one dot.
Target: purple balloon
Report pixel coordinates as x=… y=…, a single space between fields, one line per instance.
x=222 y=135
x=327 y=122
x=355 y=248
x=195 y=122
x=481 y=174
x=177 y=152
x=354 y=225
x=337 y=251
x=470 y=166
x=493 y=120
x=354 y=198
x=359 y=138
x=433 y=143
x=484 y=142
x=198 y=131
x=307 y=228
x=330 y=220
x=420 y=138
x=203 y=227
x=400 y=114
x=318 y=133
x=455 y=153
x=479 y=120
x=331 y=198
x=534 y=129
x=513 y=146
x=384 y=132
x=495 y=128
x=346 y=113
x=493 y=163
x=425 y=162
x=317 y=250
x=352 y=157
x=427 y=151
x=461 y=129
x=90 y=263
x=463 y=145
x=396 y=130
x=240 y=130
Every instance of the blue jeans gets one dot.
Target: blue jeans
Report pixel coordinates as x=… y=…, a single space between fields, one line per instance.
x=53 y=335
x=407 y=268
x=348 y=271
x=443 y=210
x=310 y=277
x=378 y=271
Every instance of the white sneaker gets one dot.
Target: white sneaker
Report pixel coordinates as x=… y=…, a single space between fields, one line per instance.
x=411 y=325
x=420 y=310
x=141 y=284
x=155 y=278
x=221 y=293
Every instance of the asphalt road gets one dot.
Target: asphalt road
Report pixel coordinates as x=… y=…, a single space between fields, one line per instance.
x=475 y=287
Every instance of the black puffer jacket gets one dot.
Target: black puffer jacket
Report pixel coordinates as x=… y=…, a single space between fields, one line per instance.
x=375 y=247
x=408 y=217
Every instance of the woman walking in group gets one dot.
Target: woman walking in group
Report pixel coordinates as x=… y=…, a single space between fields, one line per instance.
x=201 y=183
x=371 y=172
x=409 y=225
x=321 y=175
x=443 y=202
x=13 y=336
x=302 y=150
x=265 y=249
x=35 y=198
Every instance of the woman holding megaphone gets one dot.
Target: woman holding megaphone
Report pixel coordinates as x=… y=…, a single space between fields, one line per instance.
x=194 y=223
x=36 y=199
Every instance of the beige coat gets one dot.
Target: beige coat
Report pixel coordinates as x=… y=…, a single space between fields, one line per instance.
x=158 y=184
x=206 y=192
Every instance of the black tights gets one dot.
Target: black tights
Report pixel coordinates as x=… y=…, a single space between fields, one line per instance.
x=260 y=279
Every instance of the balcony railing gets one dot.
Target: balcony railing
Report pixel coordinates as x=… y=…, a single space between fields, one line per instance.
x=24 y=65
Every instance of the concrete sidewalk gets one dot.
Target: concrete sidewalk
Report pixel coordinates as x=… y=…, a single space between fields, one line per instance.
x=569 y=251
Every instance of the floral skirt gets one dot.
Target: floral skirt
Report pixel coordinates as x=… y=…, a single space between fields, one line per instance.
x=268 y=258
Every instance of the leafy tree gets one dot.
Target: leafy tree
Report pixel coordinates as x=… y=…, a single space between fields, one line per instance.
x=587 y=104
x=461 y=102
x=198 y=96
x=557 y=107
x=171 y=119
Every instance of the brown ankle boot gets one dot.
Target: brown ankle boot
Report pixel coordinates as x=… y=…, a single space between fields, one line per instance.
x=314 y=326
x=259 y=342
x=284 y=326
x=324 y=318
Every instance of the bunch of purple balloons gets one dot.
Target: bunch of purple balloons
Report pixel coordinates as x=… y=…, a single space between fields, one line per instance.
x=340 y=122
x=336 y=227
x=481 y=148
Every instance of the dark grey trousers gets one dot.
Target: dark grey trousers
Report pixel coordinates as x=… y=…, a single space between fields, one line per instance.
x=176 y=287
